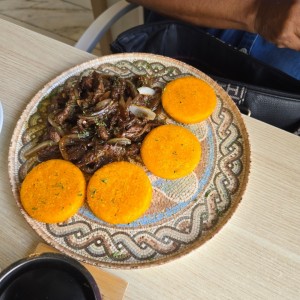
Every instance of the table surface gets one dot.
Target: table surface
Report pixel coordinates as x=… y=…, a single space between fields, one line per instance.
x=256 y=255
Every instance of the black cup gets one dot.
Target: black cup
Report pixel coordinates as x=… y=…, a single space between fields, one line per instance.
x=50 y=276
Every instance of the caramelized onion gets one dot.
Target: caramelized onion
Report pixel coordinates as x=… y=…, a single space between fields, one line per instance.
x=142 y=112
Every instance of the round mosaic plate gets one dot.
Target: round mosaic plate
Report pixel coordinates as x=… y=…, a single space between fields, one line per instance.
x=184 y=213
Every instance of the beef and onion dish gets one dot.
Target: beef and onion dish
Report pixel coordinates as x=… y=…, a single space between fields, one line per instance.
x=94 y=119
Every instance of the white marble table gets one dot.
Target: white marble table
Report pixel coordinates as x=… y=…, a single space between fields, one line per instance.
x=257 y=253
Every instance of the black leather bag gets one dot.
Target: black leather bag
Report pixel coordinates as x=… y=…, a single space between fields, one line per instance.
x=258 y=89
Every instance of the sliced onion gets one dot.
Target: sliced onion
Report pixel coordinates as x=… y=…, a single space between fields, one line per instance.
x=26 y=167
x=102 y=104
x=142 y=112
x=120 y=141
x=39 y=147
x=145 y=90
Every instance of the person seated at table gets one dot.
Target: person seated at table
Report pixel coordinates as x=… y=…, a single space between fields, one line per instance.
x=267 y=30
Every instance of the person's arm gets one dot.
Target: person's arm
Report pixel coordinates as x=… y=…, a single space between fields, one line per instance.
x=236 y=14
x=276 y=20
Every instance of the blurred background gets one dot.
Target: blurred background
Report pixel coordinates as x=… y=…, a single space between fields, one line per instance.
x=65 y=20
